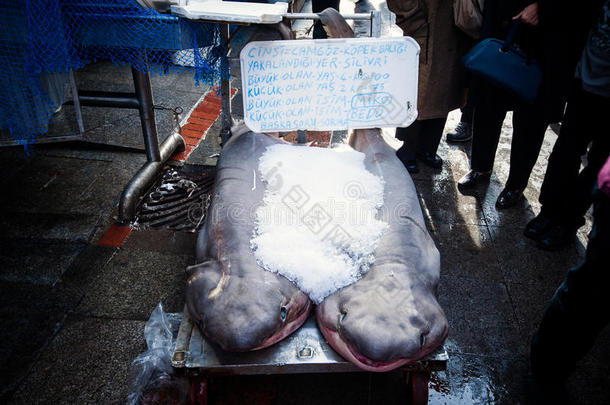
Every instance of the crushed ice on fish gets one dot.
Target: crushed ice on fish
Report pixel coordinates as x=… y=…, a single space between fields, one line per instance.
x=318 y=225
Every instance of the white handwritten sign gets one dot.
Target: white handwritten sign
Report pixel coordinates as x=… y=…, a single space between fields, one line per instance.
x=330 y=84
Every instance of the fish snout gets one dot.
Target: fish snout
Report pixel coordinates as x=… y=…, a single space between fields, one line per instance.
x=381 y=337
x=383 y=341
x=242 y=327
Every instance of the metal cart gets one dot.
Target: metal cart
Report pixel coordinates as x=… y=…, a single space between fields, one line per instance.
x=305 y=351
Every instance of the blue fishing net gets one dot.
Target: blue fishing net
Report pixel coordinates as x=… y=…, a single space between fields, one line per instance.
x=41 y=40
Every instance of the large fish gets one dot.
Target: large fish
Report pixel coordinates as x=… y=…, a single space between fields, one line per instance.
x=235 y=302
x=388 y=318
x=391 y=316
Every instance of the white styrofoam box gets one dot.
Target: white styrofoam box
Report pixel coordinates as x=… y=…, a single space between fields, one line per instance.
x=230 y=11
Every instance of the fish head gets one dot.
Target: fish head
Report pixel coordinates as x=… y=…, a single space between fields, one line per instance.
x=382 y=326
x=243 y=314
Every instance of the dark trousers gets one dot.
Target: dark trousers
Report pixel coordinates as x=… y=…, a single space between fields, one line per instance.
x=468 y=109
x=529 y=126
x=318 y=6
x=579 y=309
x=423 y=136
x=565 y=195
x=467 y=114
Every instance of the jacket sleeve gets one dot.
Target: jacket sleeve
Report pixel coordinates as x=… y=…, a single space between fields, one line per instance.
x=411 y=16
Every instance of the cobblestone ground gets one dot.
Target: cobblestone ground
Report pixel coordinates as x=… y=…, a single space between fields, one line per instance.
x=76 y=290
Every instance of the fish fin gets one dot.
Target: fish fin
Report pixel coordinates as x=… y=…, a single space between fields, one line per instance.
x=335 y=25
x=239 y=128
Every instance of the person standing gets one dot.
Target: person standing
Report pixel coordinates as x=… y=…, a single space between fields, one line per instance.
x=492 y=103
x=565 y=193
x=541 y=37
x=577 y=312
x=440 y=86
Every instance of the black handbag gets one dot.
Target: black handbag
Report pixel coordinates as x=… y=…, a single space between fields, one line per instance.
x=505 y=65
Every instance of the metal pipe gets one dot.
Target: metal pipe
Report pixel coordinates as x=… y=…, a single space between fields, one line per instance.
x=314 y=16
x=144 y=178
x=375 y=23
x=141 y=82
x=77 y=109
x=107 y=99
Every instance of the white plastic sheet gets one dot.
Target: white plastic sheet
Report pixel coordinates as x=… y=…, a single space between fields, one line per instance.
x=152 y=378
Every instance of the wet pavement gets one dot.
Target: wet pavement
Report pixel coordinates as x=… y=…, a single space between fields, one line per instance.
x=73 y=307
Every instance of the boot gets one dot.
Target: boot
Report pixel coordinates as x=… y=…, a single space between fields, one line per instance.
x=463 y=133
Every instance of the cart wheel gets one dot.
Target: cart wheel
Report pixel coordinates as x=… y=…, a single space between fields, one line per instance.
x=199 y=390
x=417 y=382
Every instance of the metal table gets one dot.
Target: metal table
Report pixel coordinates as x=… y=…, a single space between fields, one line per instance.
x=156 y=154
x=305 y=351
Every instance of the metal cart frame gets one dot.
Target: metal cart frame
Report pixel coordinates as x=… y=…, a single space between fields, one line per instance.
x=305 y=351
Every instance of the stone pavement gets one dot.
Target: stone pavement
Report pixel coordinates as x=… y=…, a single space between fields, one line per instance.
x=73 y=309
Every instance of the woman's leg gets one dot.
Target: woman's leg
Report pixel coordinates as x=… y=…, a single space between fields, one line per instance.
x=410 y=135
x=430 y=136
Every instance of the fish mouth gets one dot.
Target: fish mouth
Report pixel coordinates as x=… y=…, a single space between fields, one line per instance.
x=287 y=328
x=374 y=364
x=349 y=352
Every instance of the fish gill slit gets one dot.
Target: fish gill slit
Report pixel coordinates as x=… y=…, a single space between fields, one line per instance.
x=224 y=279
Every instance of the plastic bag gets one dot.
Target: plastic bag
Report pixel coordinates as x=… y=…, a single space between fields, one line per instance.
x=152 y=377
x=468 y=16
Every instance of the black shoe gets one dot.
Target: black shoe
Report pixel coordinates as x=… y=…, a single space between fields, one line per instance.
x=430 y=159
x=538 y=226
x=509 y=198
x=411 y=166
x=473 y=179
x=463 y=133
x=557 y=237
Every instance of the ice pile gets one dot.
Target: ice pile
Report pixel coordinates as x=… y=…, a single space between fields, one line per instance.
x=318 y=223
